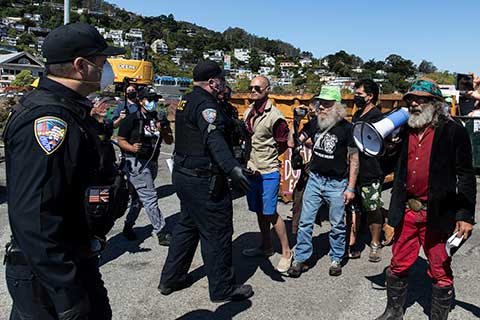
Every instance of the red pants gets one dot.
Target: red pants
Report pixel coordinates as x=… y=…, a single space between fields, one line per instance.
x=412 y=233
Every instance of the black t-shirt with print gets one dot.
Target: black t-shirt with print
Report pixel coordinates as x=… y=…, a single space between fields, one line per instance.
x=148 y=136
x=329 y=155
x=370 y=169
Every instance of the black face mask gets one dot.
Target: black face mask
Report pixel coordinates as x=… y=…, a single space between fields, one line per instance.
x=132 y=95
x=359 y=101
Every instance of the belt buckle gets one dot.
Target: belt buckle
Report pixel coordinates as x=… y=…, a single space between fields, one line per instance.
x=415 y=205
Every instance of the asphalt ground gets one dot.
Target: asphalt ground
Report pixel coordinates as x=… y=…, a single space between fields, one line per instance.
x=131 y=273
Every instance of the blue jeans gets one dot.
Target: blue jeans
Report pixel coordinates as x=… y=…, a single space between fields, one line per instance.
x=322 y=190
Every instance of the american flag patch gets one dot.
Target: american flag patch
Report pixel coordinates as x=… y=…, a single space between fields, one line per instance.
x=97 y=195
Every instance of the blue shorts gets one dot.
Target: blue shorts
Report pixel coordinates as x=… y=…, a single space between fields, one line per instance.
x=264 y=194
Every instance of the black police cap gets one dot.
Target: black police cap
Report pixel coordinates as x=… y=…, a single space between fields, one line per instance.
x=74 y=40
x=148 y=92
x=207 y=70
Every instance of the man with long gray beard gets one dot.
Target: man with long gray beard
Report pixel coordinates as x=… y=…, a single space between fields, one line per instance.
x=433 y=196
x=334 y=158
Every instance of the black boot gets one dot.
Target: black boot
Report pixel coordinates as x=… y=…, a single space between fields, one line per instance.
x=129 y=233
x=441 y=300
x=396 y=297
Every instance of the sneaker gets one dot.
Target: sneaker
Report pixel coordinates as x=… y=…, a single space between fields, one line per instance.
x=284 y=263
x=239 y=292
x=353 y=253
x=185 y=282
x=375 y=251
x=128 y=233
x=335 y=269
x=164 y=237
x=297 y=269
x=258 y=252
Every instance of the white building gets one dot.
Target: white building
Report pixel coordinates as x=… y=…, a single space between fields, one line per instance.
x=305 y=61
x=288 y=64
x=114 y=35
x=13 y=63
x=265 y=70
x=159 y=46
x=242 y=55
x=134 y=34
x=101 y=30
x=9 y=40
x=181 y=51
x=214 y=55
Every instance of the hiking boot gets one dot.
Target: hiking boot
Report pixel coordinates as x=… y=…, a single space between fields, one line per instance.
x=239 y=292
x=375 y=252
x=164 y=237
x=284 y=263
x=296 y=269
x=128 y=233
x=396 y=297
x=335 y=269
x=441 y=301
x=185 y=282
x=258 y=252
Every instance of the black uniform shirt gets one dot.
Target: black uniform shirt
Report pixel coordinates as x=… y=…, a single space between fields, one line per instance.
x=330 y=153
x=200 y=133
x=148 y=135
x=370 y=170
x=49 y=164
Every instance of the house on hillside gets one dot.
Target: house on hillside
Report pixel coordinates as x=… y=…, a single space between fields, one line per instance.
x=305 y=61
x=134 y=34
x=267 y=60
x=214 y=55
x=242 y=55
x=9 y=41
x=13 y=63
x=159 y=46
x=288 y=65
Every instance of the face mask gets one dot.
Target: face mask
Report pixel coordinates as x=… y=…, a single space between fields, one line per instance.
x=150 y=106
x=359 y=101
x=132 y=95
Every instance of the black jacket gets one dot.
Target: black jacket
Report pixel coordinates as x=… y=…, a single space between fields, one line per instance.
x=451 y=185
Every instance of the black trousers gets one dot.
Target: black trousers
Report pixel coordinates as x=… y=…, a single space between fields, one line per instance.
x=204 y=218
x=32 y=301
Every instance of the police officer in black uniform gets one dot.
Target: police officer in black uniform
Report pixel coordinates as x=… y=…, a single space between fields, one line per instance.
x=202 y=163
x=60 y=184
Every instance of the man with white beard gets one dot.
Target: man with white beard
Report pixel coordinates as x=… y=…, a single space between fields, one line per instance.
x=334 y=158
x=433 y=196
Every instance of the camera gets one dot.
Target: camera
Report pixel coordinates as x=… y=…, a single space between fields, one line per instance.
x=299 y=113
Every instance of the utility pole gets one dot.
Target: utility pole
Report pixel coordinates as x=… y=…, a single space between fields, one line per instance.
x=66 y=11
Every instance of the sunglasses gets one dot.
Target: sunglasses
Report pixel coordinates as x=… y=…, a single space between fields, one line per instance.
x=418 y=99
x=326 y=104
x=256 y=88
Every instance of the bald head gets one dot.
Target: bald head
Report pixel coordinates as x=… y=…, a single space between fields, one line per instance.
x=259 y=88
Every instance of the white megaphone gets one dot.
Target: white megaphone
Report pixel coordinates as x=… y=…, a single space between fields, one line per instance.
x=369 y=136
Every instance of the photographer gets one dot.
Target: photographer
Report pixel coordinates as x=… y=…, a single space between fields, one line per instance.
x=122 y=110
x=140 y=136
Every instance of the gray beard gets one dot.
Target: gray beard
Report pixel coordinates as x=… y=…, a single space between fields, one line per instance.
x=421 y=120
x=330 y=120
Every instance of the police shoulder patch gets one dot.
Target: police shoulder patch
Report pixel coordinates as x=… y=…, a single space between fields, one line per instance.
x=209 y=115
x=50 y=133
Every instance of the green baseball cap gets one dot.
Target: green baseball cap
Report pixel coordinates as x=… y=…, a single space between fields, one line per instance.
x=330 y=93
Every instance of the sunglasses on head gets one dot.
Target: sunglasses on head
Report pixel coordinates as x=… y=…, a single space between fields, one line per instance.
x=418 y=99
x=256 y=88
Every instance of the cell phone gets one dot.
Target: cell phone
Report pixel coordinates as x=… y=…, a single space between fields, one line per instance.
x=464 y=82
x=299 y=113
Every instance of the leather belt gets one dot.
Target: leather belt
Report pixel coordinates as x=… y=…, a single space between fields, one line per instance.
x=199 y=173
x=416 y=204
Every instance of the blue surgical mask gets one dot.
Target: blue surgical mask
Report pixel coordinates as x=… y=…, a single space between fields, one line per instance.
x=150 y=106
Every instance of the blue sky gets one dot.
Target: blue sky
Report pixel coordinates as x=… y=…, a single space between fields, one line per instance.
x=446 y=32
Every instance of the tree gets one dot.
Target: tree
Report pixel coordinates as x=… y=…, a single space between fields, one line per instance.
x=396 y=64
x=426 y=67
x=254 y=62
x=242 y=84
x=444 y=77
x=23 y=79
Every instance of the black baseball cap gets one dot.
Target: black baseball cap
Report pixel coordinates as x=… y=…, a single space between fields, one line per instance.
x=148 y=93
x=207 y=69
x=75 y=40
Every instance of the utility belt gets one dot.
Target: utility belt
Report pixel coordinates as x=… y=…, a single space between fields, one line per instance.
x=218 y=184
x=416 y=204
x=14 y=255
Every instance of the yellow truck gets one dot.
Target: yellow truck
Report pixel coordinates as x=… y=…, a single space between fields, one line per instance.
x=138 y=71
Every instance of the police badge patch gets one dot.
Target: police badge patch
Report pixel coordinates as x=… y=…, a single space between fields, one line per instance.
x=209 y=115
x=50 y=133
